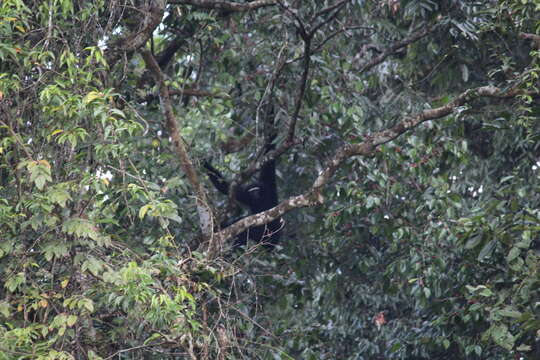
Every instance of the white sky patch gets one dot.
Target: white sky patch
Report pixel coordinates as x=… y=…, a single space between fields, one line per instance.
x=102 y=44
x=476 y=192
x=104 y=175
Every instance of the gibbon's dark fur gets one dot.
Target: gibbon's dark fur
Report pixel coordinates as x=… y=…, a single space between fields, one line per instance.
x=258 y=196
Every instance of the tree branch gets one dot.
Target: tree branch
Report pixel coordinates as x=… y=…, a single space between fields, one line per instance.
x=535 y=39
x=301 y=28
x=225 y=5
x=172 y=47
x=338 y=8
x=198 y=93
x=342 y=30
x=152 y=18
x=395 y=47
x=307 y=38
x=301 y=92
x=203 y=207
x=330 y=8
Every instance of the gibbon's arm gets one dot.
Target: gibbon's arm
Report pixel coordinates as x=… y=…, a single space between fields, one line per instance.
x=242 y=195
x=217 y=179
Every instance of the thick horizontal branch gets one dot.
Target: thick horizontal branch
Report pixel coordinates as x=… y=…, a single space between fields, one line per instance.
x=367 y=147
x=226 y=5
x=265 y=217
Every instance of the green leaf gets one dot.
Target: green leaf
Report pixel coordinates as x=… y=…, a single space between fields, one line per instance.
x=481 y=290
x=502 y=337
x=91 y=96
x=152 y=337
x=40 y=173
x=81 y=228
x=5 y=309
x=92 y=264
x=446 y=344
x=509 y=312
x=71 y=320
x=14 y=282
x=513 y=254
x=395 y=347
x=88 y=304
x=144 y=209
x=473 y=242
x=56 y=249
x=487 y=250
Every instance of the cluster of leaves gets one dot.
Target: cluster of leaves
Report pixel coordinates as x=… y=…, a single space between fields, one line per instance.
x=75 y=211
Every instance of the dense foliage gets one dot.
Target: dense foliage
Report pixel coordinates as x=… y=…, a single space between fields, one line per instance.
x=407 y=139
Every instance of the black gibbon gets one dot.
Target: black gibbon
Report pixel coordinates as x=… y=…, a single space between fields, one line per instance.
x=258 y=196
